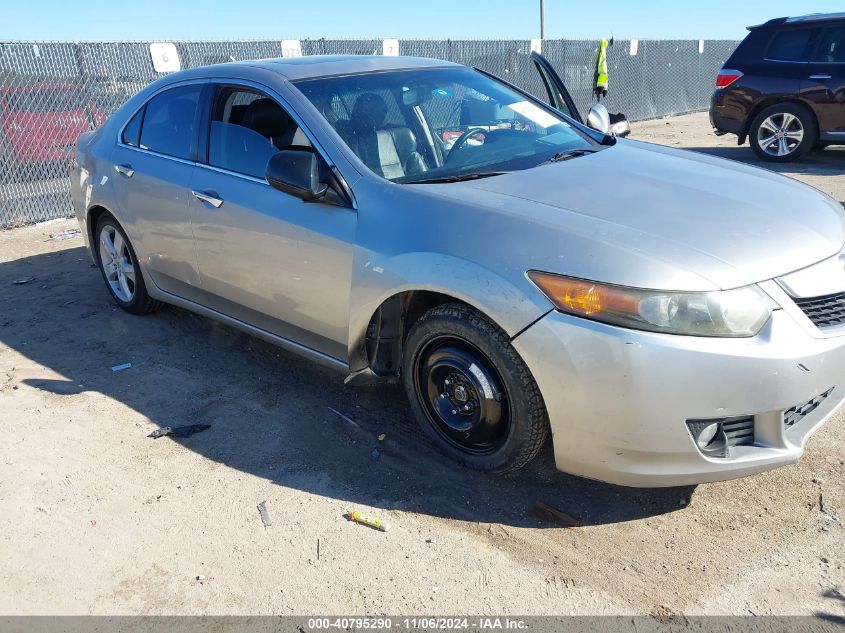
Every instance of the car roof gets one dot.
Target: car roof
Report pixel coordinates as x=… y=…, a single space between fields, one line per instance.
x=313 y=66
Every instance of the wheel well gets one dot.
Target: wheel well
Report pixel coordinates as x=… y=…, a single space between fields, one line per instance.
x=390 y=324
x=765 y=103
x=94 y=215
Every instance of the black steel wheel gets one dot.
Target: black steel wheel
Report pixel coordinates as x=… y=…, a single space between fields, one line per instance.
x=462 y=394
x=470 y=390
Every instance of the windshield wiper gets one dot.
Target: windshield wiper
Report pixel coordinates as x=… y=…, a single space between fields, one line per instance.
x=572 y=153
x=456 y=178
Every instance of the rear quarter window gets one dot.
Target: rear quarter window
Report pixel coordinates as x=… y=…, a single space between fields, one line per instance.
x=132 y=132
x=791 y=45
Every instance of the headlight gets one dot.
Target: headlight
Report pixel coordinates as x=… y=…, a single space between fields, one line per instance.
x=740 y=312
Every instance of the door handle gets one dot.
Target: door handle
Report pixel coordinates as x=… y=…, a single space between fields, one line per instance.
x=125 y=170
x=211 y=198
x=819 y=76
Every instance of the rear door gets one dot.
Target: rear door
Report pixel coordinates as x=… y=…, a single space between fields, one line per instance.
x=824 y=85
x=265 y=257
x=154 y=163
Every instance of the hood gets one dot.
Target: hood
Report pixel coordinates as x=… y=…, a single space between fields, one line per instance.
x=655 y=217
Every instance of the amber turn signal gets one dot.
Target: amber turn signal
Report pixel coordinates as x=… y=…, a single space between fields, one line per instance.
x=586 y=298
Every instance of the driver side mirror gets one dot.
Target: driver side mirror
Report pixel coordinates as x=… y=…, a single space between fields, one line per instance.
x=296 y=172
x=599 y=118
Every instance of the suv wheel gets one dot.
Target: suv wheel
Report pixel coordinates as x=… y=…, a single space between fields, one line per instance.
x=471 y=392
x=783 y=132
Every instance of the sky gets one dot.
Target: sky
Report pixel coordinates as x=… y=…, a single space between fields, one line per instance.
x=456 y=19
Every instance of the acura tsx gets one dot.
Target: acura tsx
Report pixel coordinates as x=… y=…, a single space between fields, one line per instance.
x=664 y=317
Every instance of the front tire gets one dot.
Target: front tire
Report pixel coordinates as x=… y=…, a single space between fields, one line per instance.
x=471 y=392
x=783 y=132
x=119 y=267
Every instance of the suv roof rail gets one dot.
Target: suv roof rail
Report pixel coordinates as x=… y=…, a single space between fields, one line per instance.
x=817 y=17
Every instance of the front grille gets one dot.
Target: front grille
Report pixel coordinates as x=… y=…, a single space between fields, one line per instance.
x=794 y=415
x=824 y=311
x=739 y=431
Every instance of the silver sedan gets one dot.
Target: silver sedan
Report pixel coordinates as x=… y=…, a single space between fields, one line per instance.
x=665 y=317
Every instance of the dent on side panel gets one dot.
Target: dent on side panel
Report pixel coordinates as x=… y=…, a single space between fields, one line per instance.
x=376 y=279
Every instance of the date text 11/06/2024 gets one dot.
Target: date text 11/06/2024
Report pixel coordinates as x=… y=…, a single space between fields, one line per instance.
x=426 y=623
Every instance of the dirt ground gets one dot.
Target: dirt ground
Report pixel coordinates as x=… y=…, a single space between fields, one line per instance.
x=98 y=518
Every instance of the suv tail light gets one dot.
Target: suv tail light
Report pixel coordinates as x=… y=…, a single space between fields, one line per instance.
x=726 y=77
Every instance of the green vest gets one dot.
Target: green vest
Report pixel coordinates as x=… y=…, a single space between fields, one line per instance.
x=601 y=69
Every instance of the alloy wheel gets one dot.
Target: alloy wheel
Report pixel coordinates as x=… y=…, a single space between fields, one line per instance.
x=117 y=264
x=780 y=134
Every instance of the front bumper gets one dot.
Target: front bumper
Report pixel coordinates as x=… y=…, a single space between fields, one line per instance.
x=618 y=399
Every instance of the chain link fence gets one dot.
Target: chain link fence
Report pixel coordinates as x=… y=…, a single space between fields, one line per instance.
x=51 y=92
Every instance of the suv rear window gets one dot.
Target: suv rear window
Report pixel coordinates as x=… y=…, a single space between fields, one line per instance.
x=790 y=45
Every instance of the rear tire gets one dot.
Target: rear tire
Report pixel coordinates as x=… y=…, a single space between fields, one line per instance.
x=783 y=132
x=471 y=392
x=119 y=266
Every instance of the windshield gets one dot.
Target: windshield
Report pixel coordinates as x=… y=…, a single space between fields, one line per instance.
x=440 y=124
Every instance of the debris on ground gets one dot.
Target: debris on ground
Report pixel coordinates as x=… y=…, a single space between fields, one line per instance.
x=21 y=282
x=429 y=540
x=117 y=368
x=381 y=437
x=265 y=516
x=363 y=519
x=318 y=549
x=67 y=234
x=822 y=503
x=179 y=431
x=545 y=512
x=201 y=578
x=344 y=417
x=375 y=454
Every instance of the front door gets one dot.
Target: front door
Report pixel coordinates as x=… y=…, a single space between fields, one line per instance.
x=265 y=257
x=558 y=96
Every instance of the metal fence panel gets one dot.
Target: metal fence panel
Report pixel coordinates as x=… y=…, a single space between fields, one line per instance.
x=51 y=92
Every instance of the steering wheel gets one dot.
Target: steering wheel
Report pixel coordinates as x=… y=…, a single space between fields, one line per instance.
x=459 y=144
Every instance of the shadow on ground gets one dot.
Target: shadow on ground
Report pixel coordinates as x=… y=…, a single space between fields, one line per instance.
x=269 y=409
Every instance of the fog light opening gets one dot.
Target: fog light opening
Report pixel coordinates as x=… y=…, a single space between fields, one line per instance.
x=709 y=437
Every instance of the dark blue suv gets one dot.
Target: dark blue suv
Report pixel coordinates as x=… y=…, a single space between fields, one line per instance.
x=783 y=88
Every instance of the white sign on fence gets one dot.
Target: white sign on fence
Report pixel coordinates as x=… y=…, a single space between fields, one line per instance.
x=165 y=57
x=390 y=48
x=537 y=46
x=700 y=46
x=635 y=45
x=291 y=48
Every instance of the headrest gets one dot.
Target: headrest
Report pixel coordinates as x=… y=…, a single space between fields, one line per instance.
x=266 y=117
x=369 y=110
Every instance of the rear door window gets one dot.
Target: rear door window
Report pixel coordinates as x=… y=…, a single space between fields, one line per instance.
x=791 y=45
x=170 y=122
x=831 y=49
